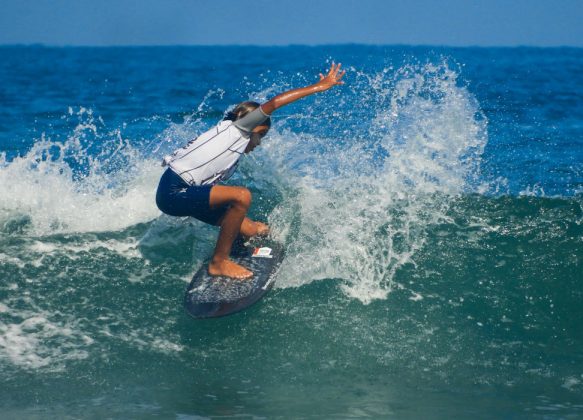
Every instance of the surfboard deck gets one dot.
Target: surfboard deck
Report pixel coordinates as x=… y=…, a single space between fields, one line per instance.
x=211 y=296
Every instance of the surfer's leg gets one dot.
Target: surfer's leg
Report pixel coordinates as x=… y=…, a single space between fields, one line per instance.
x=239 y=200
x=250 y=228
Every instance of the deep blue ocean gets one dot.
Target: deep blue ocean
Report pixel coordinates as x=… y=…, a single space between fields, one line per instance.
x=431 y=209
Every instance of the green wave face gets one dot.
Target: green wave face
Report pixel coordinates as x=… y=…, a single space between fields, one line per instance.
x=491 y=301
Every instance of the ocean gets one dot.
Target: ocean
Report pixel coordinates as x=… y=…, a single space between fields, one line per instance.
x=431 y=209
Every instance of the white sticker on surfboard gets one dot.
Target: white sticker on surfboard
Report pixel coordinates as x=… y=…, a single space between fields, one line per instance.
x=264 y=252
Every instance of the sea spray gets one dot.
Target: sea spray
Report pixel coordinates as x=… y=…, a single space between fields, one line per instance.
x=357 y=200
x=93 y=180
x=361 y=203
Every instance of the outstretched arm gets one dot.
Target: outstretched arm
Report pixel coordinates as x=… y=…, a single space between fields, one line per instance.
x=333 y=78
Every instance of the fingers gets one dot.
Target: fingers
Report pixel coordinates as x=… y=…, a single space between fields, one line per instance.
x=334 y=71
x=331 y=71
x=334 y=75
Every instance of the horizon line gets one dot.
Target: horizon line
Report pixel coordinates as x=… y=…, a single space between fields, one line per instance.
x=362 y=44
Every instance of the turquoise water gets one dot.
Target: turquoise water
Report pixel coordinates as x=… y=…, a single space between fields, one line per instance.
x=431 y=209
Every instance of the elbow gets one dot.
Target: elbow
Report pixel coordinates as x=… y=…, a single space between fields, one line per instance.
x=268 y=107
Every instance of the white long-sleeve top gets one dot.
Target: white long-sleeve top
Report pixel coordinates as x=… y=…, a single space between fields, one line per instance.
x=213 y=156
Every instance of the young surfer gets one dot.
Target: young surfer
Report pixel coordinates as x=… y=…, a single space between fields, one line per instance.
x=190 y=186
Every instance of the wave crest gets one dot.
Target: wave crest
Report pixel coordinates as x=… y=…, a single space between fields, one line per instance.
x=360 y=207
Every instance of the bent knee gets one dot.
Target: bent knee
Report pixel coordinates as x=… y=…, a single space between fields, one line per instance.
x=243 y=197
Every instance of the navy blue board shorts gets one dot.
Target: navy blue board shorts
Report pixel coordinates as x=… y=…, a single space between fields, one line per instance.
x=178 y=198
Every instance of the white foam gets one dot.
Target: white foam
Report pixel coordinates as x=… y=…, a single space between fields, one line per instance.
x=571 y=382
x=127 y=248
x=358 y=209
x=31 y=340
x=7 y=259
x=60 y=186
x=416 y=297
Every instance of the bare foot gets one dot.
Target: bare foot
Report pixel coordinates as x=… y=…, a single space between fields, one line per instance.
x=262 y=229
x=228 y=268
x=249 y=228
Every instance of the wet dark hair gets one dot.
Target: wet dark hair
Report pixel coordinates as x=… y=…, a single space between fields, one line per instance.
x=243 y=109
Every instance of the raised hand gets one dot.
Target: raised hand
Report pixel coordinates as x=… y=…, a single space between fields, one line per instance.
x=333 y=78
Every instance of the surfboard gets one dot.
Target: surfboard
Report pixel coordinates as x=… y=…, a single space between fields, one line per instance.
x=211 y=296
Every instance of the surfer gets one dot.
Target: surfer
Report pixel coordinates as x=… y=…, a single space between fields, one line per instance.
x=190 y=185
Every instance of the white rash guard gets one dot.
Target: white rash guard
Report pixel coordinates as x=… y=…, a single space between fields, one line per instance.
x=213 y=156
